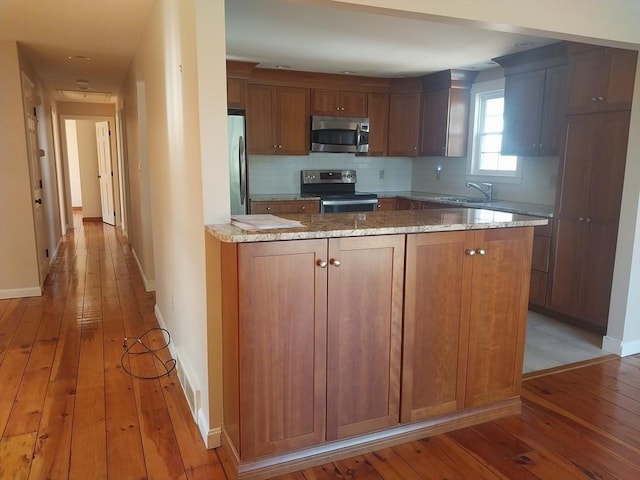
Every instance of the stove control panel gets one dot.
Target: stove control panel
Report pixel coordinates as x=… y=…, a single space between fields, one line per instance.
x=328 y=176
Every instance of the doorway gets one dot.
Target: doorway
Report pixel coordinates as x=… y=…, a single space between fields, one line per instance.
x=89 y=145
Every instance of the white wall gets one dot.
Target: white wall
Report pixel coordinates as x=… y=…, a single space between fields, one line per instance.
x=18 y=257
x=73 y=162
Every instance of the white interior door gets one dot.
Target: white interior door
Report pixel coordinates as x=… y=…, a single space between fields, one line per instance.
x=105 y=173
x=35 y=175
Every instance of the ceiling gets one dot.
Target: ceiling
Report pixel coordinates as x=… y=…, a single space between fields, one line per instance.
x=301 y=34
x=330 y=38
x=50 y=31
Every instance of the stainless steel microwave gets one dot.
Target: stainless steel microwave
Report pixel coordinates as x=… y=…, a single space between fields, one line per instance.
x=339 y=134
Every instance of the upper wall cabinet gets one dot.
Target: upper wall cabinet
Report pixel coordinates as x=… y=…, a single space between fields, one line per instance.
x=535 y=99
x=378 y=123
x=236 y=93
x=340 y=103
x=600 y=79
x=445 y=113
x=404 y=124
x=277 y=120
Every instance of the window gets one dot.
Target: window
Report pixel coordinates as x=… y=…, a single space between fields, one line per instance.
x=486 y=141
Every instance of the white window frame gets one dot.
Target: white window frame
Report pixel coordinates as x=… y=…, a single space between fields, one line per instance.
x=479 y=91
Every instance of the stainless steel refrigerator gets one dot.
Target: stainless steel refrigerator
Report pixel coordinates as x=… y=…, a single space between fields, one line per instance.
x=238 y=163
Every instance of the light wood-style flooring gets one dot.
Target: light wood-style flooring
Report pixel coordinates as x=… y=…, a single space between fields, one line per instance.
x=68 y=410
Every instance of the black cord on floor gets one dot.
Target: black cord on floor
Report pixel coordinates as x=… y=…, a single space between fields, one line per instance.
x=130 y=343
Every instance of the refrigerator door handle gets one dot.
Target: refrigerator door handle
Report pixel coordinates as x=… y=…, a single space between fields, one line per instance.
x=242 y=158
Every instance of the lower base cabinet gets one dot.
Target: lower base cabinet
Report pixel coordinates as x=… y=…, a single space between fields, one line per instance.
x=466 y=299
x=317 y=328
x=314 y=337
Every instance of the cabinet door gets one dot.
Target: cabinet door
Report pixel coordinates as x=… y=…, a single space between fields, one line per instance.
x=282 y=338
x=435 y=107
x=364 y=334
x=437 y=282
x=554 y=111
x=404 y=124
x=588 y=214
x=236 y=93
x=261 y=129
x=523 y=103
x=601 y=80
x=325 y=102
x=619 y=75
x=378 y=123
x=292 y=115
x=353 y=104
x=498 y=314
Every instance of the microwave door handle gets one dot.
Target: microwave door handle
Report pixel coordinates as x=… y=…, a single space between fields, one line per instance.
x=357 y=135
x=242 y=159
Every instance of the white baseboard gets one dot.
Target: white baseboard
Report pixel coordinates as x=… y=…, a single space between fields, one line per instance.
x=191 y=391
x=620 y=348
x=20 y=292
x=149 y=285
x=212 y=437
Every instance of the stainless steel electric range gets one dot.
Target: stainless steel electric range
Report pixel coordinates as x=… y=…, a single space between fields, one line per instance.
x=337 y=191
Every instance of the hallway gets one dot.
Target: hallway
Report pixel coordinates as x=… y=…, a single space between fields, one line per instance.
x=68 y=410
x=75 y=408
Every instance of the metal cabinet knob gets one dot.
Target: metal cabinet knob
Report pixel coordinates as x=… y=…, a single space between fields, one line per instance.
x=587 y=220
x=303 y=207
x=601 y=98
x=481 y=251
x=470 y=252
x=594 y=99
x=322 y=263
x=334 y=262
x=279 y=146
x=268 y=208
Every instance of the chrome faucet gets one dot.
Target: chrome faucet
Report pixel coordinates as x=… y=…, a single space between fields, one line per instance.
x=485 y=188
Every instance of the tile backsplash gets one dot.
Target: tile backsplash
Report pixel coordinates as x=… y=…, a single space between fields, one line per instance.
x=281 y=174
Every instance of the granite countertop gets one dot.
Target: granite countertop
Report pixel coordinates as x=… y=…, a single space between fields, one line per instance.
x=498 y=205
x=378 y=223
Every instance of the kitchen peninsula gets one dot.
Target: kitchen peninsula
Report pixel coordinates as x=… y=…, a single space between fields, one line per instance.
x=362 y=330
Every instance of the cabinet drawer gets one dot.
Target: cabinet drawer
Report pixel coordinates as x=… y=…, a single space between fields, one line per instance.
x=540 y=255
x=386 y=204
x=292 y=206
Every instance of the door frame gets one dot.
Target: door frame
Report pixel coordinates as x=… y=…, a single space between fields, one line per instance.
x=115 y=163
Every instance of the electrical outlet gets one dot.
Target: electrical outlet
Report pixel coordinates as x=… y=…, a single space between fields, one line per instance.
x=381 y=174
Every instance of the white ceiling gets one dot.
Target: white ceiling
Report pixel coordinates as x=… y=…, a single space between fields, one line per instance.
x=329 y=38
x=301 y=34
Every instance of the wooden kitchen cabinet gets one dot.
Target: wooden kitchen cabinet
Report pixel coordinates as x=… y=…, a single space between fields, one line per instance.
x=378 y=123
x=587 y=216
x=340 y=103
x=472 y=289
x=404 y=124
x=386 y=204
x=535 y=100
x=445 y=113
x=277 y=120
x=540 y=261
x=285 y=206
x=312 y=335
x=364 y=334
x=534 y=112
x=236 y=93
x=600 y=79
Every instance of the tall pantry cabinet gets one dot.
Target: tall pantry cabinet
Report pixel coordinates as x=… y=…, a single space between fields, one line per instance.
x=592 y=172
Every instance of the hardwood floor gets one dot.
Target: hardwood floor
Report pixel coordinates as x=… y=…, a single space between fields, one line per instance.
x=68 y=410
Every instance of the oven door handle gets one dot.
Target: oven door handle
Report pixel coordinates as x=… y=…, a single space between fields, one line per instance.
x=369 y=201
